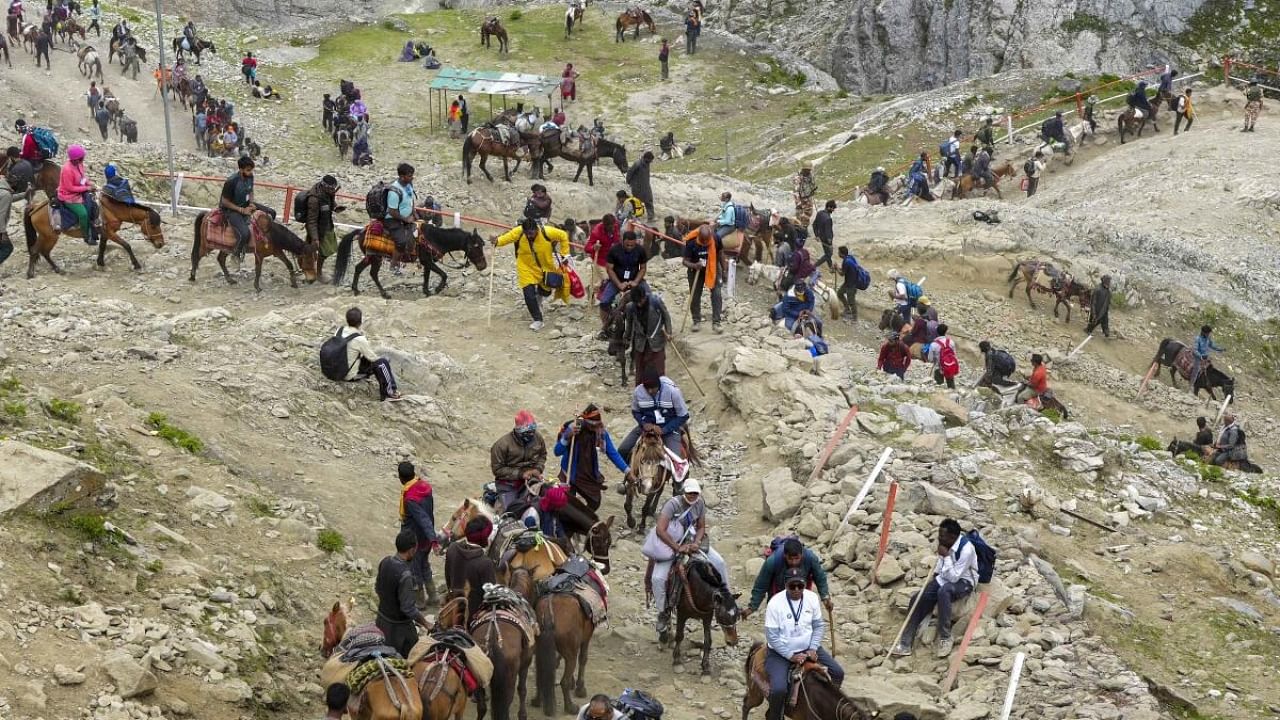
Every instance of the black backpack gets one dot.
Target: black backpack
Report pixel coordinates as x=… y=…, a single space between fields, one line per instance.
x=333 y=356
x=1003 y=362
x=300 y=206
x=375 y=202
x=1029 y=167
x=638 y=705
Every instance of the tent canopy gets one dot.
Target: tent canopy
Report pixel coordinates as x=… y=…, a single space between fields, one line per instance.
x=489 y=82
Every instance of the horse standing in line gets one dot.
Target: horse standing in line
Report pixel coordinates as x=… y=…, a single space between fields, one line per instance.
x=565 y=629
x=700 y=595
x=493 y=28
x=41 y=236
x=432 y=243
x=268 y=238
x=89 y=63
x=633 y=19
x=484 y=142
x=389 y=697
x=967 y=183
x=507 y=638
x=649 y=476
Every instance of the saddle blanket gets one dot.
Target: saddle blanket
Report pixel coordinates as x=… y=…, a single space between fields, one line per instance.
x=62 y=219
x=218 y=234
x=528 y=626
x=1184 y=361
x=376 y=242
x=476 y=661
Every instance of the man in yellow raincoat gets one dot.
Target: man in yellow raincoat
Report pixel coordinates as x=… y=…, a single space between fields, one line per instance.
x=538 y=264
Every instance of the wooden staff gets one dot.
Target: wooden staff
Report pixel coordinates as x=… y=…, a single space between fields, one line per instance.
x=912 y=609
x=831 y=622
x=1154 y=366
x=687 y=371
x=1225 y=401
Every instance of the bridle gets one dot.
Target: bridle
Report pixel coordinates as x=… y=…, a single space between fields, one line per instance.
x=592 y=535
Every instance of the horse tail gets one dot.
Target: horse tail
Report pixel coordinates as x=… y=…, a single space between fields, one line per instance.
x=197 y=236
x=1014 y=272
x=504 y=677
x=29 y=229
x=746 y=664
x=468 y=154
x=343 y=256
x=546 y=655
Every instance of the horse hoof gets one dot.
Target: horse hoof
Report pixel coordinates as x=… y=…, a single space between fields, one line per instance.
x=630 y=522
x=706 y=672
x=386 y=296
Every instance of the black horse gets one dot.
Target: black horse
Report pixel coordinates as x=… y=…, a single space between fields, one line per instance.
x=1176 y=356
x=433 y=244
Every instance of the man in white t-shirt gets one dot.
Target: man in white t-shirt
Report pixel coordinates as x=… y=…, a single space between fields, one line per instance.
x=954 y=577
x=362 y=361
x=794 y=629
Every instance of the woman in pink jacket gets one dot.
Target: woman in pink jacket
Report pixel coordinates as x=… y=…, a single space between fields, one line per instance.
x=74 y=187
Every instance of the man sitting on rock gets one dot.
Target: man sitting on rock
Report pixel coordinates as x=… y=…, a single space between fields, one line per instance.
x=954 y=577
x=362 y=361
x=769 y=581
x=1231 y=443
x=794 y=630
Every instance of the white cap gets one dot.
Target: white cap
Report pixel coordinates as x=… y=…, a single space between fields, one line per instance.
x=692 y=486
x=894 y=274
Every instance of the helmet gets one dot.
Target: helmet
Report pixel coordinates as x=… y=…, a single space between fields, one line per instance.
x=75 y=153
x=109 y=170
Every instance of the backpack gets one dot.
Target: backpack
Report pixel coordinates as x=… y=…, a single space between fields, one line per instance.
x=375 y=202
x=930 y=331
x=914 y=291
x=333 y=356
x=986 y=555
x=638 y=705
x=20 y=176
x=948 y=363
x=775 y=545
x=1004 y=363
x=300 y=206
x=862 y=278
x=741 y=218
x=46 y=141
x=1029 y=167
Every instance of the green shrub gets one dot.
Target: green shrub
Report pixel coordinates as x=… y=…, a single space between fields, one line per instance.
x=154 y=566
x=9 y=385
x=15 y=410
x=90 y=526
x=173 y=434
x=1210 y=473
x=64 y=410
x=330 y=541
x=515 y=15
x=1081 y=22
x=1146 y=442
x=778 y=75
x=1119 y=300
x=1052 y=414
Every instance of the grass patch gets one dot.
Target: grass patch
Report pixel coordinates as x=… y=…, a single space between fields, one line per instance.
x=1054 y=416
x=260 y=507
x=154 y=566
x=1085 y=22
x=9 y=386
x=1147 y=442
x=515 y=15
x=778 y=75
x=64 y=410
x=1119 y=300
x=173 y=434
x=1254 y=497
x=330 y=541
x=15 y=411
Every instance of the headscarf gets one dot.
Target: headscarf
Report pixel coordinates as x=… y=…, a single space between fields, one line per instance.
x=480 y=535
x=526 y=422
x=555 y=498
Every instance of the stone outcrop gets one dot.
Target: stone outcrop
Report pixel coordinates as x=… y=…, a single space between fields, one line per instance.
x=35 y=479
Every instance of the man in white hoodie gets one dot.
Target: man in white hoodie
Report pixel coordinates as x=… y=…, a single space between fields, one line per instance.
x=954 y=577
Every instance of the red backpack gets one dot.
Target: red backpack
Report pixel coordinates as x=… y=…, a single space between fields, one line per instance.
x=948 y=363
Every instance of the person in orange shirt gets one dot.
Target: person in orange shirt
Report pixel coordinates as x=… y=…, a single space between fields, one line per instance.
x=1037 y=382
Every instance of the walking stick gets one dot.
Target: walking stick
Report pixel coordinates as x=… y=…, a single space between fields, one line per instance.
x=493 y=268
x=831 y=622
x=688 y=372
x=688 y=306
x=912 y=609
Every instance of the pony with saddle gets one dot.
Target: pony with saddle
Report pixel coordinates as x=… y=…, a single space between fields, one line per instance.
x=966 y=183
x=43 y=224
x=196 y=48
x=267 y=238
x=633 y=19
x=511 y=545
x=431 y=246
x=492 y=28
x=449 y=667
x=812 y=694
x=500 y=140
x=506 y=629
x=696 y=591
x=1178 y=357
x=381 y=681
x=651 y=469
x=570 y=605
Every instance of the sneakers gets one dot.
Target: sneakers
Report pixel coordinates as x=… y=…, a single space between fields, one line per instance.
x=536 y=325
x=902 y=649
x=945 y=646
x=697 y=325
x=664 y=626
x=716 y=327
x=393 y=397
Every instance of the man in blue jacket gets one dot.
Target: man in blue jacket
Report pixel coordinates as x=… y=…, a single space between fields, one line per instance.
x=417 y=514
x=583 y=438
x=769 y=581
x=657 y=401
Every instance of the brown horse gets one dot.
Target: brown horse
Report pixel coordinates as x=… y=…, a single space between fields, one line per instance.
x=564 y=633
x=41 y=237
x=649 y=475
x=817 y=699
x=1129 y=123
x=541 y=560
x=268 y=239
x=1066 y=289
x=433 y=244
x=961 y=188
x=69 y=28
x=440 y=684
x=757 y=239
x=701 y=596
x=507 y=636
x=633 y=19
x=389 y=697
x=1029 y=272
x=484 y=142
x=4 y=50
x=493 y=28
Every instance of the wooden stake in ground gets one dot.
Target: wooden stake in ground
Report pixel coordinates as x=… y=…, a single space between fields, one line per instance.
x=1013 y=685
x=687 y=371
x=833 y=442
x=885 y=523
x=866 y=487
x=914 y=601
x=957 y=659
x=1150 y=373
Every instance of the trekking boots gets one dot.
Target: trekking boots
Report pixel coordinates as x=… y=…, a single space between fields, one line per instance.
x=664 y=626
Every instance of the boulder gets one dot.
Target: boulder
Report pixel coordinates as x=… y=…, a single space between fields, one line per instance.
x=876 y=424
x=889 y=571
x=782 y=495
x=753 y=363
x=952 y=412
x=34 y=479
x=129 y=676
x=877 y=698
x=1258 y=563
x=925 y=497
x=205 y=655
x=925 y=419
x=204 y=500
x=64 y=675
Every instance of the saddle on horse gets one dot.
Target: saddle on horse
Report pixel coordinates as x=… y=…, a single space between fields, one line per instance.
x=578 y=578
x=378 y=240
x=794 y=677
x=457 y=649
x=503 y=603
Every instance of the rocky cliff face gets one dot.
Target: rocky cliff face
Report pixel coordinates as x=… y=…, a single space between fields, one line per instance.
x=893 y=46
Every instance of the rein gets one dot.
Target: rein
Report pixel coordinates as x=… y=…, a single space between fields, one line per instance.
x=391 y=692
x=844 y=704
x=688 y=591
x=596 y=556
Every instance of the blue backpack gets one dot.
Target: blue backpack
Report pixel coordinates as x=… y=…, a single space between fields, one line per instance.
x=862 y=278
x=986 y=555
x=45 y=140
x=741 y=218
x=945 y=148
x=914 y=291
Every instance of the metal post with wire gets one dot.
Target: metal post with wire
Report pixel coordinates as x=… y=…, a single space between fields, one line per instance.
x=726 y=151
x=164 y=99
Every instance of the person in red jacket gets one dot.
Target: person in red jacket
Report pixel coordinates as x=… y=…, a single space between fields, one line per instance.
x=895 y=357
x=601 y=240
x=30 y=150
x=417 y=513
